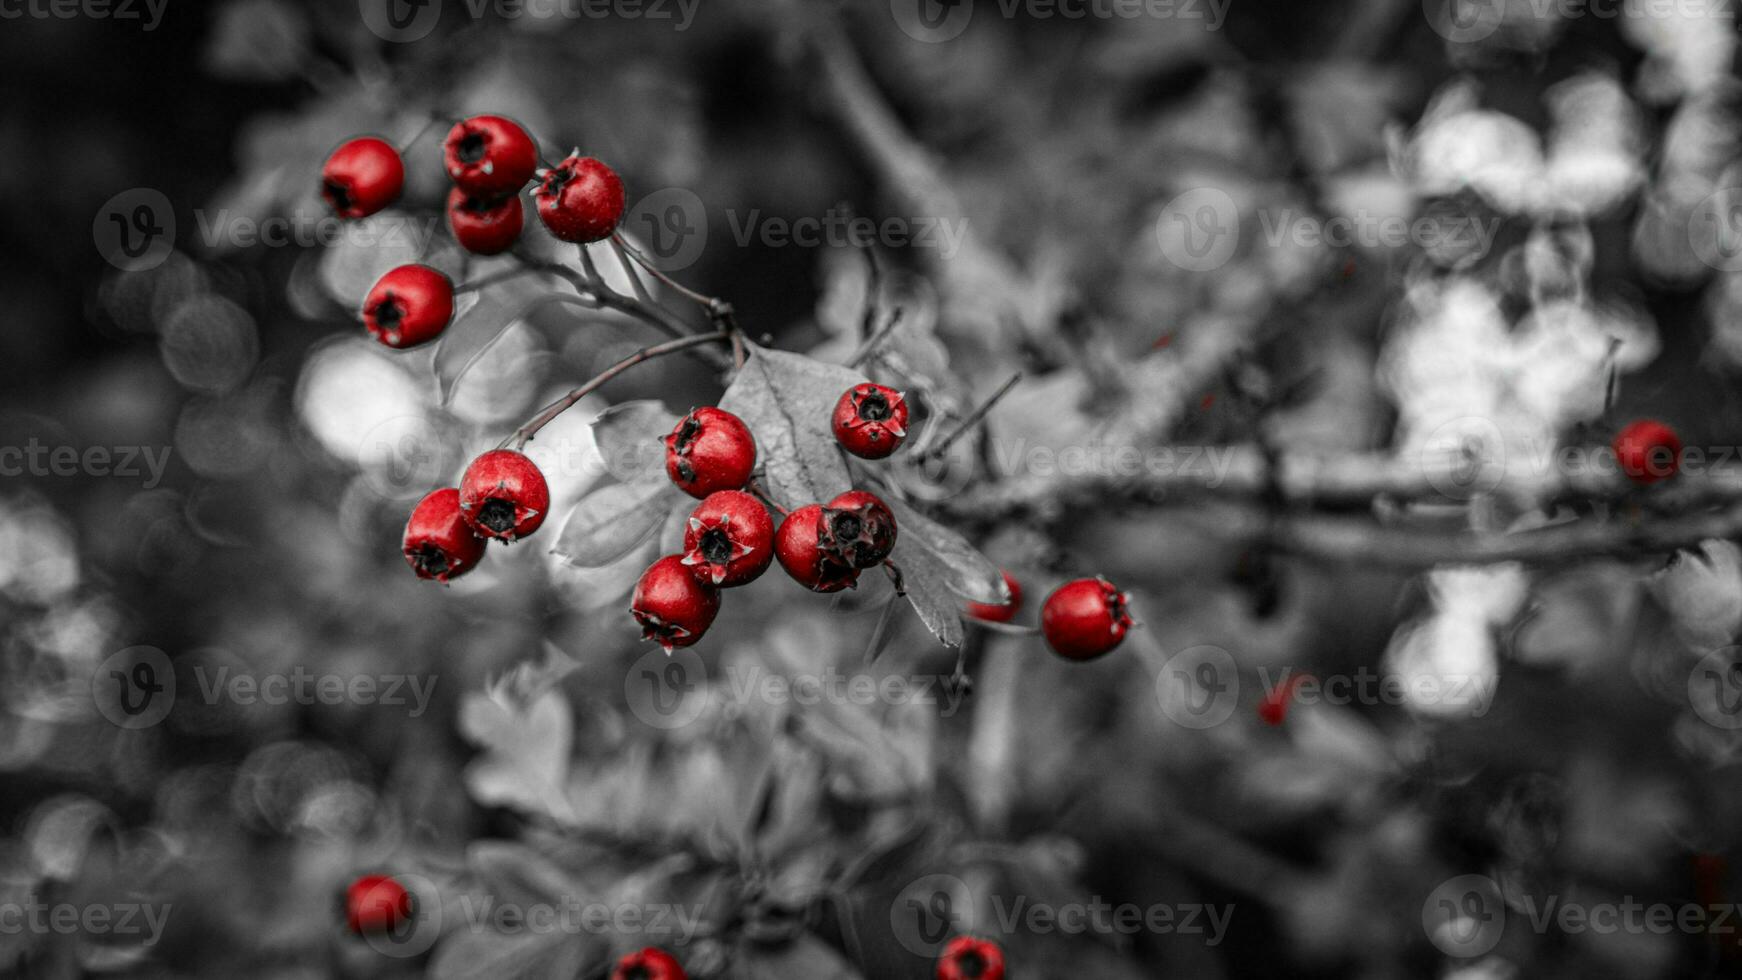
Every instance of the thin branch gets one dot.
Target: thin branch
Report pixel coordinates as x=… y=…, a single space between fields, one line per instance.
x=973 y=419
x=872 y=342
x=525 y=433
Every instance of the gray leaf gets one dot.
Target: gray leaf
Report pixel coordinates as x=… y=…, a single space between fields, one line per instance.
x=786 y=399
x=926 y=579
x=610 y=522
x=971 y=575
x=628 y=436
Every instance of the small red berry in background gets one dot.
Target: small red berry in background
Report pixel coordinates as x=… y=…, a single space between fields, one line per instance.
x=710 y=450
x=729 y=539
x=1648 y=451
x=651 y=963
x=1273 y=709
x=1084 y=619
x=438 y=543
x=489 y=156
x=376 y=903
x=362 y=176
x=485 y=226
x=580 y=200
x=1004 y=613
x=672 y=607
x=503 y=495
x=861 y=528
x=968 y=958
x=870 y=420
x=408 y=306
x=806 y=551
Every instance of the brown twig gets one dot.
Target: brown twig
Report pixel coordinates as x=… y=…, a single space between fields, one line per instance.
x=525 y=433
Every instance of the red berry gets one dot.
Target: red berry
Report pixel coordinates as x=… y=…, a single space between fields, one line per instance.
x=1648 y=451
x=580 y=200
x=807 y=552
x=438 y=542
x=861 y=528
x=408 y=306
x=1083 y=619
x=489 y=156
x=671 y=605
x=968 y=958
x=503 y=495
x=729 y=540
x=650 y=964
x=485 y=226
x=709 y=451
x=1004 y=613
x=376 y=903
x=870 y=420
x=1273 y=710
x=362 y=176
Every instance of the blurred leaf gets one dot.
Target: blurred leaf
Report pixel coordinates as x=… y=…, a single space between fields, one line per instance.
x=629 y=437
x=477 y=326
x=470 y=954
x=611 y=521
x=517 y=874
x=806 y=956
x=786 y=400
x=526 y=751
x=258 y=40
x=972 y=575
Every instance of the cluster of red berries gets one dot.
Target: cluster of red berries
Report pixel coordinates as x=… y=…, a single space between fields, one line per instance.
x=502 y=495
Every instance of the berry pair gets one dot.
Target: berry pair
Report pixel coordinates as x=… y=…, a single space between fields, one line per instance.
x=728 y=542
x=502 y=495
x=825 y=547
x=489 y=158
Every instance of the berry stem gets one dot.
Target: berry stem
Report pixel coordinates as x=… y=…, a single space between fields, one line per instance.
x=871 y=343
x=524 y=434
x=762 y=495
x=973 y=419
x=602 y=296
x=485 y=282
x=623 y=248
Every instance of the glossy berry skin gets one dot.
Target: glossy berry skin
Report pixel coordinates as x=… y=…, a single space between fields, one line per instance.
x=861 y=528
x=651 y=963
x=503 y=495
x=489 y=156
x=438 y=543
x=580 y=200
x=870 y=420
x=1648 y=451
x=710 y=450
x=485 y=226
x=376 y=903
x=673 y=607
x=805 y=549
x=408 y=306
x=1084 y=619
x=999 y=614
x=968 y=958
x=729 y=539
x=362 y=176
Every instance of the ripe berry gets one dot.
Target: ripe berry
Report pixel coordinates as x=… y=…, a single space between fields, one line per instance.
x=671 y=605
x=729 y=540
x=503 y=495
x=861 y=528
x=485 y=226
x=376 y=903
x=1000 y=614
x=408 y=306
x=709 y=451
x=651 y=963
x=968 y=958
x=1083 y=619
x=362 y=176
x=489 y=156
x=1648 y=451
x=870 y=421
x=580 y=200
x=807 y=552
x=1273 y=710
x=438 y=543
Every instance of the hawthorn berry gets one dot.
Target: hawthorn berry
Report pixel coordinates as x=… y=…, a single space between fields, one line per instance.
x=1273 y=709
x=729 y=539
x=489 y=156
x=710 y=450
x=969 y=958
x=806 y=550
x=870 y=420
x=580 y=200
x=503 y=495
x=861 y=528
x=1084 y=619
x=362 y=176
x=438 y=543
x=1000 y=614
x=672 y=606
x=651 y=963
x=1648 y=451
x=410 y=305
x=376 y=903
x=482 y=225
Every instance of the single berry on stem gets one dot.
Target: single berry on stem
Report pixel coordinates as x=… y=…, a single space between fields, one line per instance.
x=671 y=605
x=729 y=539
x=806 y=550
x=410 y=305
x=970 y=958
x=376 y=903
x=362 y=176
x=503 y=495
x=1648 y=451
x=489 y=156
x=710 y=450
x=860 y=527
x=482 y=225
x=870 y=420
x=580 y=200
x=438 y=543
x=1085 y=618
x=1000 y=614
